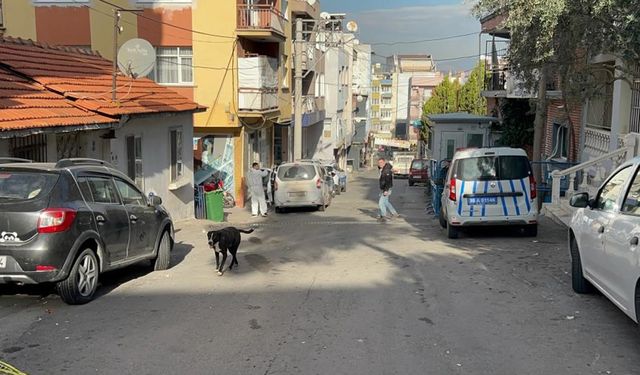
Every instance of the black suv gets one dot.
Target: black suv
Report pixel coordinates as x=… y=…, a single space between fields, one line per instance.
x=66 y=223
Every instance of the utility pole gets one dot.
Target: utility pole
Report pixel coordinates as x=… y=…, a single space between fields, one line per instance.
x=297 y=91
x=116 y=31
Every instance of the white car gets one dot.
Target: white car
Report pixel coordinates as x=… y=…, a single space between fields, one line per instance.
x=603 y=240
x=489 y=186
x=301 y=184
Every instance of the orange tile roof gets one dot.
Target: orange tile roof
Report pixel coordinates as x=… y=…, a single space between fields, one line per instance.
x=85 y=78
x=25 y=105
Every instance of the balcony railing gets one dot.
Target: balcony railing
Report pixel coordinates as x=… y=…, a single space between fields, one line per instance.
x=260 y=17
x=257 y=83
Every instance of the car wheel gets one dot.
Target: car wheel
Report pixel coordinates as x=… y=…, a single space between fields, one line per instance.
x=164 y=253
x=531 y=230
x=452 y=231
x=81 y=284
x=578 y=282
x=411 y=182
x=277 y=209
x=442 y=220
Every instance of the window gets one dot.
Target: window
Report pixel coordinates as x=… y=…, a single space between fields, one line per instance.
x=175 y=139
x=560 y=141
x=101 y=188
x=134 y=160
x=608 y=196
x=25 y=185
x=632 y=200
x=130 y=195
x=475 y=140
x=296 y=172
x=174 y=65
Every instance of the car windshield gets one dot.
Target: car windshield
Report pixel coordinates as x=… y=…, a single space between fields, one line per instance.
x=493 y=168
x=25 y=185
x=417 y=164
x=298 y=172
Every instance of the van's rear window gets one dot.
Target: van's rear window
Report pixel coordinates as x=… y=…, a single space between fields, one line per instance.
x=25 y=185
x=298 y=172
x=486 y=168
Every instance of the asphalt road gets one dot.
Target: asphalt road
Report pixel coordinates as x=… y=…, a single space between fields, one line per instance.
x=335 y=293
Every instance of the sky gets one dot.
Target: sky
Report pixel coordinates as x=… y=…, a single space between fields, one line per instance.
x=409 y=20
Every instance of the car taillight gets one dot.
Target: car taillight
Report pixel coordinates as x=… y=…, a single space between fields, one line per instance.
x=533 y=186
x=319 y=183
x=53 y=220
x=452 y=189
x=45 y=268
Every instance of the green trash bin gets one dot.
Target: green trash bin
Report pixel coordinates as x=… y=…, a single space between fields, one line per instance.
x=215 y=205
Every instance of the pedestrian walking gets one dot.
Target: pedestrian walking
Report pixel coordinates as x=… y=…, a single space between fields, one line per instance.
x=254 y=182
x=386 y=185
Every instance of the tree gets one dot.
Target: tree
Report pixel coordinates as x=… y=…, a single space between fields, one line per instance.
x=557 y=39
x=471 y=99
x=444 y=98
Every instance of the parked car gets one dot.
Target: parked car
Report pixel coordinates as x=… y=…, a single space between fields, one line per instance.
x=301 y=184
x=69 y=222
x=419 y=171
x=489 y=186
x=402 y=163
x=603 y=239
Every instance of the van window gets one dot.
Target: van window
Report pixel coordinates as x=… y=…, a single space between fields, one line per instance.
x=25 y=185
x=300 y=172
x=417 y=164
x=493 y=168
x=477 y=169
x=514 y=167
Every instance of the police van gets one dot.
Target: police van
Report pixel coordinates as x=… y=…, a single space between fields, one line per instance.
x=489 y=186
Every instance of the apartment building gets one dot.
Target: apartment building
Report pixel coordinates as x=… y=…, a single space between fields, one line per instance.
x=236 y=63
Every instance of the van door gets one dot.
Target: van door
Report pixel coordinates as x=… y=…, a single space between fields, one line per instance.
x=451 y=141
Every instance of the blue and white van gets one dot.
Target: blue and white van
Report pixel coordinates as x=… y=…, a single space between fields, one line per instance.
x=489 y=186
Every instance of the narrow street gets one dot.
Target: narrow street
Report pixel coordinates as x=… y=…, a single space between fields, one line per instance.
x=335 y=292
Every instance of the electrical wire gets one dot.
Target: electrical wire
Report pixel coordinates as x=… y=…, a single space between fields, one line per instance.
x=423 y=40
x=170 y=24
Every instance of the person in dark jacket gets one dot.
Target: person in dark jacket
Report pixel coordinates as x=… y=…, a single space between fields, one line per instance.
x=386 y=184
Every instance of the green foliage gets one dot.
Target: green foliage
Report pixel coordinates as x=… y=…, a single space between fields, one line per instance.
x=471 y=99
x=517 y=123
x=564 y=35
x=444 y=98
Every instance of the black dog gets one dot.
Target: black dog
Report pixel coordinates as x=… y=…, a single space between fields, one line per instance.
x=227 y=239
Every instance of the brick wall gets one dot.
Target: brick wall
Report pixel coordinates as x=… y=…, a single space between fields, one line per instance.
x=556 y=113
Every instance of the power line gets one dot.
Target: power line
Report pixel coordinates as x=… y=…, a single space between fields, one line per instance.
x=423 y=40
x=146 y=28
x=170 y=24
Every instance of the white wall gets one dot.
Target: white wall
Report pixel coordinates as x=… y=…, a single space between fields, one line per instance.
x=156 y=159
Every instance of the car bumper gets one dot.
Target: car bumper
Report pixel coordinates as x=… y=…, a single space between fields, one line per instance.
x=12 y=273
x=493 y=221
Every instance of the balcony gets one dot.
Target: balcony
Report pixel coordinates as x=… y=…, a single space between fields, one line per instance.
x=258 y=86
x=313 y=110
x=501 y=83
x=261 y=22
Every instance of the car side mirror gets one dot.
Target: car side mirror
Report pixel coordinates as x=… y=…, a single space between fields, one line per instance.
x=580 y=200
x=154 y=200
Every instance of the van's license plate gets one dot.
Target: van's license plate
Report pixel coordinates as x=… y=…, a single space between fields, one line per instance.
x=482 y=200
x=3 y=261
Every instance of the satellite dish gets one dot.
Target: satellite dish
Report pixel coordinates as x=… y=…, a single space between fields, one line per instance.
x=352 y=26
x=359 y=98
x=325 y=15
x=136 y=58
x=311 y=2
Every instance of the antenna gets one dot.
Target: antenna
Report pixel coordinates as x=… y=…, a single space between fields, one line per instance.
x=136 y=58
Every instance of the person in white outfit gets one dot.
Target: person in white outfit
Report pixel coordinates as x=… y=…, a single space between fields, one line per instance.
x=254 y=182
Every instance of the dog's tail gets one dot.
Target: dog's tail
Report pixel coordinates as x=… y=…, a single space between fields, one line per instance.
x=246 y=230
